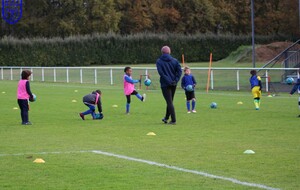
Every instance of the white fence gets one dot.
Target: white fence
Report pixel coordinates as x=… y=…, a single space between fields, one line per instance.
x=220 y=78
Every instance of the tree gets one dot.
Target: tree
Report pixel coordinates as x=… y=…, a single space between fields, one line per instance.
x=102 y=17
x=274 y=17
x=50 y=18
x=242 y=12
x=196 y=16
x=136 y=16
x=225 y=19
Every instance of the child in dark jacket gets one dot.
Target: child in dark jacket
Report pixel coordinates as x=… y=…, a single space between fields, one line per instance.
x=91 y=100
x=295 y=88
x=189 y=80
x=24 y=94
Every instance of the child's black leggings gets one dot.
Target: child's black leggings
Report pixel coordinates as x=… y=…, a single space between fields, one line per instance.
x=24 y=107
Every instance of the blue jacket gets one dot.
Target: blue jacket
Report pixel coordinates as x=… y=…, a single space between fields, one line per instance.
x=255 y=81
x=188 y=80
x=169 y=70
x=296 y=87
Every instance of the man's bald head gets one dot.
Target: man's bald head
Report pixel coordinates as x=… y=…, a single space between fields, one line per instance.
x=166 y=50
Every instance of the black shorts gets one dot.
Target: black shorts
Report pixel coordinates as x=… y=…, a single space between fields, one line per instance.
x=128 y=96
x=189 y=95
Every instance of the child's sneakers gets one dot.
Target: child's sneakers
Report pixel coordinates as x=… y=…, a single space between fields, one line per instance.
x=189 y=111
x=27 y=123
x=194 y=111
x=144 y=98
x=81 y=115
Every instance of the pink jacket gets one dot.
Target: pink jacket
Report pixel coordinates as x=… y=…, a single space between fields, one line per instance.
x=128 y=87
x=22 y=92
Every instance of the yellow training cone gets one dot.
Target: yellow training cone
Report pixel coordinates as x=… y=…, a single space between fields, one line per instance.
x=15 y=108
x=74 y=101
x=3 y=92
x=151 y=134
x=270 y=96
x=75 y=90
x=240 y=103
x=114 y=106
x=39 y=161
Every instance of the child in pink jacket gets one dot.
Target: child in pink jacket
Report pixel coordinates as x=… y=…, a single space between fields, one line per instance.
x=24 y=94
x=129 y=88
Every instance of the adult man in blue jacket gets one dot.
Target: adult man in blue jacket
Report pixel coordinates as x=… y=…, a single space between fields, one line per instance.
x=170 y=72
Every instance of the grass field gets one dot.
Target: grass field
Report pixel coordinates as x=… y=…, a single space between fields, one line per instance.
x=211 y=141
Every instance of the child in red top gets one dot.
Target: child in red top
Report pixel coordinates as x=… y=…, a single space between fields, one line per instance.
x=24 y=94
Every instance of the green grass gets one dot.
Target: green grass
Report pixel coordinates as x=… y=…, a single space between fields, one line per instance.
x=213 y=141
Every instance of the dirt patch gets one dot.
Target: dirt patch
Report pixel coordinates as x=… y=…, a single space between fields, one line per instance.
x=267 y=52
x=264 y=53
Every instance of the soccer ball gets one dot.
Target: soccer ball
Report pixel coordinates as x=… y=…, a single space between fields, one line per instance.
x=34 y=98
x=213 y=105
x=289 y=80
x=189 y=88
x=147 y=82
x=99 y=116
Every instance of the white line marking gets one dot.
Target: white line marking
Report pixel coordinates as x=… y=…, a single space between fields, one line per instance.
x=44 y=153
x=235 y=181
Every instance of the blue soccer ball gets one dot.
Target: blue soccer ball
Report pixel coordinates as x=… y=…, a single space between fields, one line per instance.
x=289 y=80
x=99 y=116
x=33 y=99
x=147 y=82
x=213 y=105
x=189 y=88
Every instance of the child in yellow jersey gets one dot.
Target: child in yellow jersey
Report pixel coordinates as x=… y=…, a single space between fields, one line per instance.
x=255 y=82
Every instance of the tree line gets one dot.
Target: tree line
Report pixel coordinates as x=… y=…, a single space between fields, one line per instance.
x=53 y=18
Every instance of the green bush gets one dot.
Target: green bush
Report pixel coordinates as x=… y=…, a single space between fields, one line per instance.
x=108 y=49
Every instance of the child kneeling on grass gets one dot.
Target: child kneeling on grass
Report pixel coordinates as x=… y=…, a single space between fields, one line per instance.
x=91 y=100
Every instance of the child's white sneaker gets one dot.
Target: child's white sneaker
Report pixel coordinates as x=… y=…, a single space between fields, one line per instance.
x=194 y=111
x=144 y=97
x=189 y=112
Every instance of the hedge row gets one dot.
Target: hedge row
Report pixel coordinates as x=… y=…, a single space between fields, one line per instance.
x=108 y=49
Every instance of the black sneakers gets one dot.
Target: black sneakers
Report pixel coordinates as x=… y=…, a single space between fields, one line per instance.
x=166 y=122
x=172 y=123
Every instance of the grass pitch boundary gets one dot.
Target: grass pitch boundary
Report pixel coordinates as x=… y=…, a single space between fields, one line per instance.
x=196 y=172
